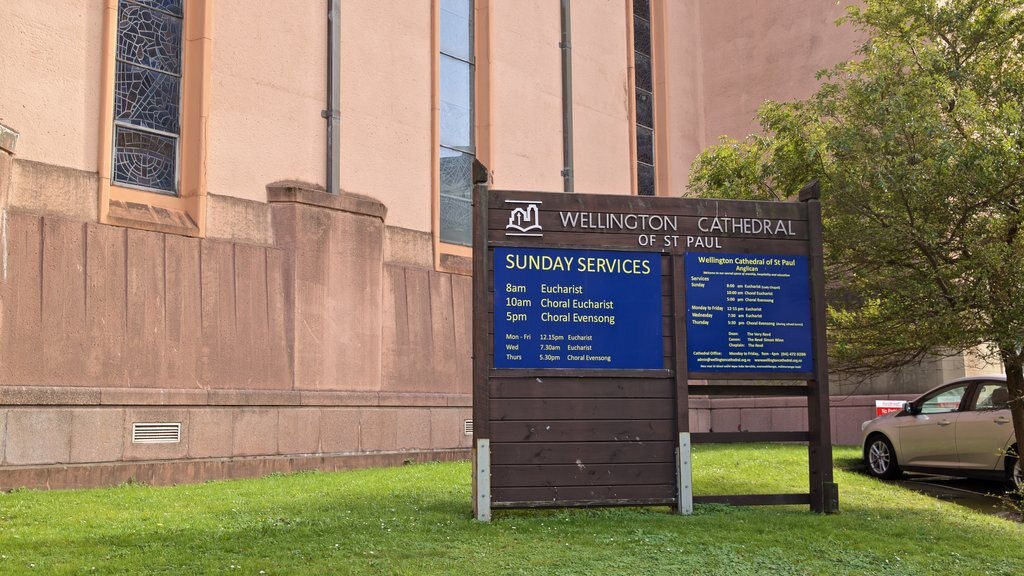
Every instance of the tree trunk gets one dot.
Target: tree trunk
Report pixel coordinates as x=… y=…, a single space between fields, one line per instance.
x=1013 y=362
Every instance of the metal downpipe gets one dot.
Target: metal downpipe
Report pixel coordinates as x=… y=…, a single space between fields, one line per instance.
x=566 y=46
x=333 y=112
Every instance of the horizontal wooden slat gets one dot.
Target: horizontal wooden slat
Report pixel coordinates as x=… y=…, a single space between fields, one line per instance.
x=666 y=273
x=573 y=475
x=629 y=242
x=583 y=503
x=684 y=226
x=534 y=347
x=666 y=300
x=754 y=499
x=666 y=330
x=554 y=387
x=595 y=372
x=751 y=375
x=582 y=453
x=648 y=205
x=554 y=373
x=584 y=431
x=745 y=390
x=666 y=303
x=734 y=437
x=666 y=281
x=540 y=496
x=579 y=409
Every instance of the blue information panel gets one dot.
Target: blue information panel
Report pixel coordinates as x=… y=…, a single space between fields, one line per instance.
x=748 y=313
x=577 y=309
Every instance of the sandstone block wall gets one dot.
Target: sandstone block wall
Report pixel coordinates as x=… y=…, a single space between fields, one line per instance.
x=309 y=349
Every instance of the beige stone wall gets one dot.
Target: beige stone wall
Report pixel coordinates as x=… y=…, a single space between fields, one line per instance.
x=526 y=87
x=386 y=87
x=600 y=98
x=684 y=71
x=269 y=85
x=49 y=79
x=756 y=50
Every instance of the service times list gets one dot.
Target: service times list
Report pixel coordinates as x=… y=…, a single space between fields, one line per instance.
x=748 y=313
x=577 y=309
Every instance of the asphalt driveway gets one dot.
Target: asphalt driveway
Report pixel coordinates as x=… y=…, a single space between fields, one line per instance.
x=975 y=494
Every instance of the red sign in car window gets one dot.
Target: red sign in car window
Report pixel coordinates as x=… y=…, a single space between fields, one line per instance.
x=883 y=407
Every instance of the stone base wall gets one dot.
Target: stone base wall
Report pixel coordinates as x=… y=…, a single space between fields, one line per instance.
x=302 y=331
x=88 y=443
x=56 y=425
x=169 y=472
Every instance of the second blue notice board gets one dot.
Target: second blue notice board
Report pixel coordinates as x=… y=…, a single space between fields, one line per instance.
x=577 y=309
x=748 y=313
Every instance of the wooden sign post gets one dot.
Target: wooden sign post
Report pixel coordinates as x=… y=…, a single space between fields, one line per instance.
x=592 y=313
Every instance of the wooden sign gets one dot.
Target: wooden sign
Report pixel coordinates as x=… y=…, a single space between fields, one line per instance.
x=591 y=315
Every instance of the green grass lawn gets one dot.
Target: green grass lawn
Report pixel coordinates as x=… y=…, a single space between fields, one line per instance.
x=417 y=520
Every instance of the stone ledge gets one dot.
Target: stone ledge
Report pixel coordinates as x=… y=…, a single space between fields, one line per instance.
x=151 y=397
x=408 y=248
x=303 y=193
x=425 y=399
x=239 y=220
x=167 y=397
x=254 y=398
x=167 y=220
x=164 y=473
x=460 y=400
x=49 y=396
x=327 y=398
x=457 y=264
x=43 y=189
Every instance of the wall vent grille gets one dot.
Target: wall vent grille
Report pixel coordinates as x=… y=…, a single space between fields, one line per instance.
x=467 y=427
x=156 y=432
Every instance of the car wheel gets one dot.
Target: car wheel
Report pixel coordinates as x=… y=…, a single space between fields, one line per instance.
x=881 y=458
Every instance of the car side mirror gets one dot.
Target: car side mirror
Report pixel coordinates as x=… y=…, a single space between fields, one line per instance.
x=911 y=408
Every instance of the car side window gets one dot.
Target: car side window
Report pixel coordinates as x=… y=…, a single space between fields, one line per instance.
x=992 y=396
x=947 y=400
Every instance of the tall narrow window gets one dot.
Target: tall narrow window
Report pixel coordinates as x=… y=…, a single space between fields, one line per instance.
x=147 y=95
x=456 y=121
x=643 y=81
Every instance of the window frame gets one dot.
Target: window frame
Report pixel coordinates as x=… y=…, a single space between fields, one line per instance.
x=122 y=204
x=450 y=257
x=660 y=110
x=146 y=129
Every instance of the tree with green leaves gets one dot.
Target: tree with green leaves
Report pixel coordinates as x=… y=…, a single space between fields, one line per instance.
x=918 y=142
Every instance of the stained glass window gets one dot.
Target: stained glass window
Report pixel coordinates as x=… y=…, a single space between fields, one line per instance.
x=147 y=94
x=456 y=121
x=644 y=97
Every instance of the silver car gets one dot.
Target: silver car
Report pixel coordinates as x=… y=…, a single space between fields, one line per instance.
x=962 y=428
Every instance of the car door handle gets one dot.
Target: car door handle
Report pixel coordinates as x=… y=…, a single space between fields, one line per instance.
x=1002 y=420
x=944 y=422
